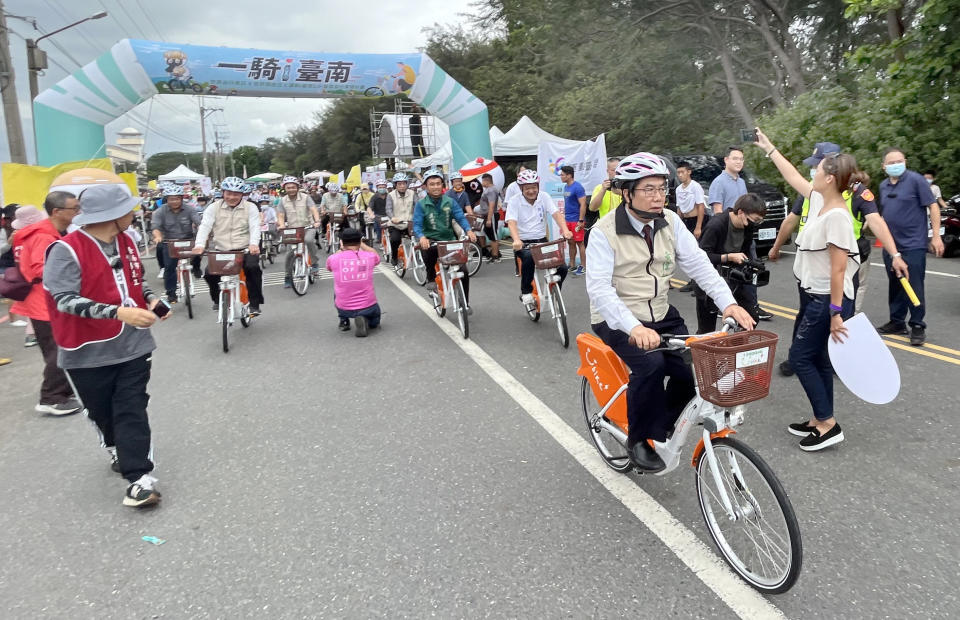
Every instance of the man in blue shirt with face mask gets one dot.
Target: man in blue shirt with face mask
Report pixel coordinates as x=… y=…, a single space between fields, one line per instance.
x=904 y=199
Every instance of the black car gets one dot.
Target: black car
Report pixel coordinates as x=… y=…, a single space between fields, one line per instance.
x=705 y=168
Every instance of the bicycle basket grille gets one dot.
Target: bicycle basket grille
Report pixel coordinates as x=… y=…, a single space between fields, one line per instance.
x=293 y=235
x=734 y=369
x=224 y=263
x=547 y=255
x=452 y=252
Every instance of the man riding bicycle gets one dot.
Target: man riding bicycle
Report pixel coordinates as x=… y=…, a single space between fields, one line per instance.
x=173 y=222
x=333 y=201
x=297 y=210
x=433 y=219
x=527 y=220
x=400 y=204
x=633 y=252
x=235 y=224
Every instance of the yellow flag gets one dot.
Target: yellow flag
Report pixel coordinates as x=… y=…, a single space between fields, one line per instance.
x=353 y=179
x=29 y=185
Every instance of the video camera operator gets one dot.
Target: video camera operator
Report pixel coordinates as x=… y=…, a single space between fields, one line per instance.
x=726 y=239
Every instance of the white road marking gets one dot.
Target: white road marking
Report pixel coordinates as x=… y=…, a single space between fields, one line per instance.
x=705 y=564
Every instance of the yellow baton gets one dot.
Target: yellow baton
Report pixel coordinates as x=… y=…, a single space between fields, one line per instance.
x=910 y=293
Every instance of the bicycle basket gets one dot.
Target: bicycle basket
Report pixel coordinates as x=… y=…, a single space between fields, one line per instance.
x=224 y=263
x=736 y=368
x=452 y=252
x=292 y=236
x=180 y=249
x=337 y=219
x=547 y=255
x=476 y=223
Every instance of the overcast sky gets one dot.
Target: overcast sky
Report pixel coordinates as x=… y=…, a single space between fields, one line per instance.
x=371 y=26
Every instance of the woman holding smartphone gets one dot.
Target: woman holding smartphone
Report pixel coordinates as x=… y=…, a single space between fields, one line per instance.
x=827 y=259
x=100 y=314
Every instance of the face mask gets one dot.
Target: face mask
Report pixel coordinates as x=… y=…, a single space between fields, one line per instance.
x=382 y=190
x=895 y=170
x=930 y=181
x=813 y=171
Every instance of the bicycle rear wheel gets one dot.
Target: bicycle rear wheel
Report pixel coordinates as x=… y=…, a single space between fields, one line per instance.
x=559 y=314
x=300 y=276
x=460 y=299
x=613 y=453
x=762 y=544
x=225 y=321
x=474 y=259
x=401 y=267
x=188 y=293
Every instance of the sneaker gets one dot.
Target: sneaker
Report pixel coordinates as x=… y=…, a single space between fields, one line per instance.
x=160 y=275
x=918 y=336
x=527 y=299
x=469 y=310
x=686 y=288
x=288 y=284
x=172 y=298
x=890 y=327
x=431 y=287
x=494 y=259
x=786 y=369
x=344 y=325
x=215 y=307
x=65 y=408
x=815 y=441
x=197 y=273
x=763 y=315
x=361 y=326
x=142 y=492
x=579 y=272
x=114 y=461
x=800 y=429
x=30 y=341
x=254 y=311
x=315 y=271
x=18 y=323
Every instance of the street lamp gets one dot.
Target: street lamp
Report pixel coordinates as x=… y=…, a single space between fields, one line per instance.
x=37 y=58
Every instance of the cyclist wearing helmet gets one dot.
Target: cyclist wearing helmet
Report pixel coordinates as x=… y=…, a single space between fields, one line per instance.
x=378 y=205
x=173 y=222
x=433 y=219
x=633 y=252
x=298 y=210
x=400 y=204
x=333 y=201
x=527 y=214
x=235 y=224
x=458 y=191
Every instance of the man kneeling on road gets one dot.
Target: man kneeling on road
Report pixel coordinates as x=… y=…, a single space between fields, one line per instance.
x=353 y=293
x=235 y=225
x=633 y=253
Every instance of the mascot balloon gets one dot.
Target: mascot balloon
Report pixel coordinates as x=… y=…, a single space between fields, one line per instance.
x=472 y=173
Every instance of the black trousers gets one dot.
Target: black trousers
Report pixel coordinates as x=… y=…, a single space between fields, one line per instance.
x=652 y=407
x=55 y=388
x=528 y=267
x=396 y=236
x=254 y=277
x=746 y=296
x=430 y=262
x=116 y=400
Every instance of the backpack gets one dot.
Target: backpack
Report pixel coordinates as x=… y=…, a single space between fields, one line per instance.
x=14 y=286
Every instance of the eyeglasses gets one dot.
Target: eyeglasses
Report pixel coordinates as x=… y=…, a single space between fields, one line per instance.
x=650 y=191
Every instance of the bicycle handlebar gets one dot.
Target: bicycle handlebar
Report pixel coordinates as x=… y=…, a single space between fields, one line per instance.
x=678 y=342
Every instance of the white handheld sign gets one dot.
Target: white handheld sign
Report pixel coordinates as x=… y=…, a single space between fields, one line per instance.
x=864 y=363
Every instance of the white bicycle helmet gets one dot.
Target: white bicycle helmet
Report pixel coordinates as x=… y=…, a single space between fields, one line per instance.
x=289 y=179
x=333 y=187
x=382 y=182
x=638 y=166
x=528 y=177
x=398 y=177
x=432 y=172
x=389 y=185
x=233 y=184
x=172 y=189
x=456 y=174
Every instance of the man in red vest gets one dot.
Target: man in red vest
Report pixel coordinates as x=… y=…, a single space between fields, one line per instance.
x=100 y=311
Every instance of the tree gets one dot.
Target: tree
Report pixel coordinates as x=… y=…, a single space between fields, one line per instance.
x=162 y=163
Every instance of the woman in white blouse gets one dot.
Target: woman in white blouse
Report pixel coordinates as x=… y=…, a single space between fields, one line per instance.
x=827 y=259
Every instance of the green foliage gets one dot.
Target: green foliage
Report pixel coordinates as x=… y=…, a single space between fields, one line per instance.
x=162 y=163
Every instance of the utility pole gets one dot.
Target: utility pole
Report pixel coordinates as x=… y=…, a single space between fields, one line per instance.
x=8 y=89
x=204 y=112
x=233 y=165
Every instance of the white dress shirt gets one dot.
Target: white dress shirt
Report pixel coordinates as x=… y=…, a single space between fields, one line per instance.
x=531 y=219
x=690 y=258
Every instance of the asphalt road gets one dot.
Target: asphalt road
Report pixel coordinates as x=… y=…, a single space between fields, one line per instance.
x=309 y=473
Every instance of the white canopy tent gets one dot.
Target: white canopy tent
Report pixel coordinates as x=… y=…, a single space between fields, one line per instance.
x=524 y=138
x=181 y=173
x=318 y=174
x=444 y=155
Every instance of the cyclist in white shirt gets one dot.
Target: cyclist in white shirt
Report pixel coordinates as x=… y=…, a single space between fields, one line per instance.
x=527 y=213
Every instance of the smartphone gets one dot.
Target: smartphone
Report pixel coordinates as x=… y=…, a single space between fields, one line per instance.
x=162 y=308
x=748 y=135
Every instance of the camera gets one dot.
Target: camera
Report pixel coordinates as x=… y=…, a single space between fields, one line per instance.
x=751 y=271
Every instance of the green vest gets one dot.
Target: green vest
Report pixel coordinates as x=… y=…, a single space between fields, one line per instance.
x=848 y=196
x=438 y=219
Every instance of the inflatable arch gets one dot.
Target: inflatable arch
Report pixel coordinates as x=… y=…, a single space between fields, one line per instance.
x=69 y=117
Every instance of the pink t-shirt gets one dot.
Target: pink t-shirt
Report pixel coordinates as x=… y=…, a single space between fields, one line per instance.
x=353 y=278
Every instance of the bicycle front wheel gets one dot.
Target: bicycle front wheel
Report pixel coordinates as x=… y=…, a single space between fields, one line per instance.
x=762 y=544
x=401 y=266
x=474 y=259
x=419 y=269
x=225 y=321
x=188 y=294
x=613 y=453
x=559 y=315
x=460 y=299
x=300 y=276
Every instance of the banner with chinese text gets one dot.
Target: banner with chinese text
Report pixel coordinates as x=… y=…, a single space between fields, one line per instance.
x=589 y=161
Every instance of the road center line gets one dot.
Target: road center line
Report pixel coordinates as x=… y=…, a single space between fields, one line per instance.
x=705 y=564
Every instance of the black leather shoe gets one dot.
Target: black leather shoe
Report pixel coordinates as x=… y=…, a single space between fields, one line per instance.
x=786 y=369
x=646 y=459
x=893 y=328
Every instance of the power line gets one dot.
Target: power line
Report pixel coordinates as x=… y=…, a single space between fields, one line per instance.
x=127 y=13
x=150 y=19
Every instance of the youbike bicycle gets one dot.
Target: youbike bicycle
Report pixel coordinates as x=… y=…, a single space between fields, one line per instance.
x=385 y=238
x=547 y=259
x=271 y=247
x=747 y=512
x=451 y=258
x=234 y=303
x=331 y=239
x=475 y=250
x=405 y=251
x=182 y=250
x=370 y=229
x=302 y=274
